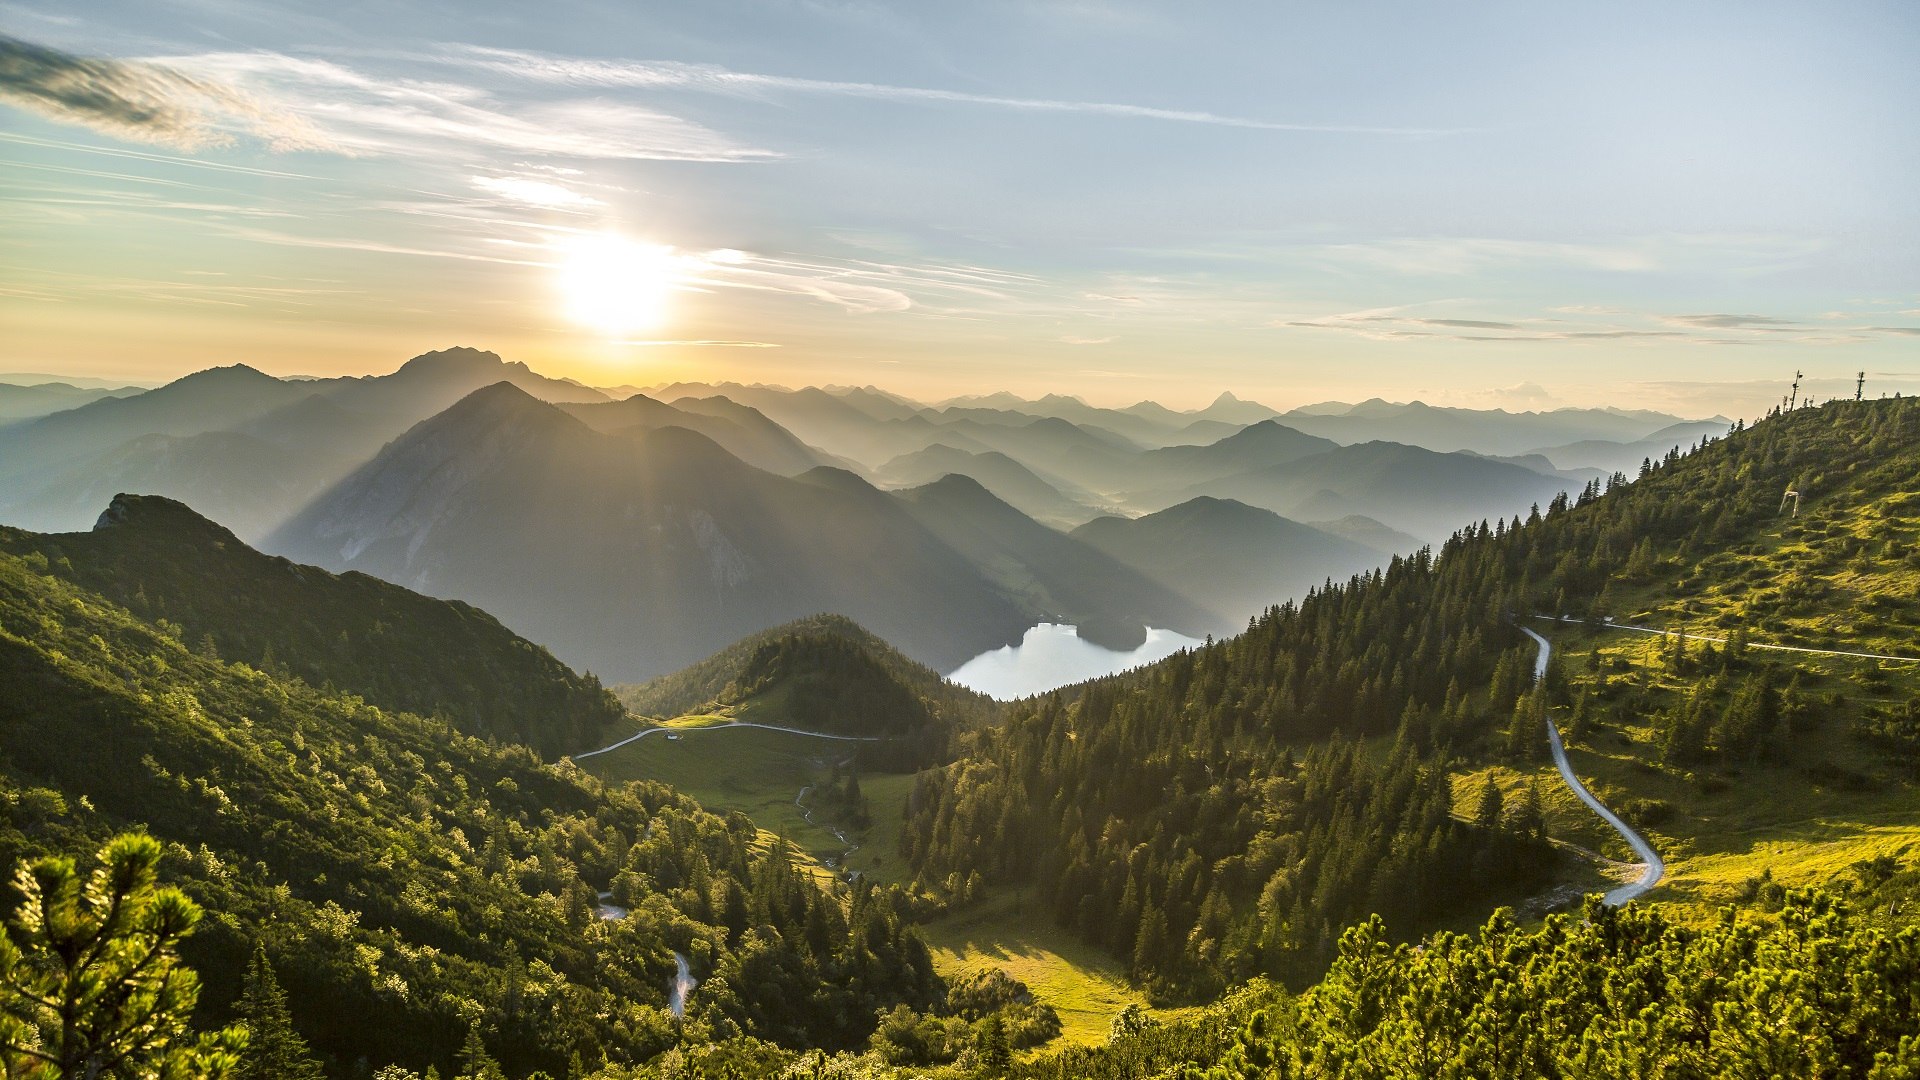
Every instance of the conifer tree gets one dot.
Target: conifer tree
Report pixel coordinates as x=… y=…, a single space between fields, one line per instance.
x=275 y=1051
x=996 y=1055
x=475 y=1062
x=91 y=983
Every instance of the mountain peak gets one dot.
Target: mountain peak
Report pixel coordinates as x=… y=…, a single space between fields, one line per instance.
x=156 y=513
x=959 y=485
x=1226 y=398
x=500 y=395
x=458 y=356
x=228 y=373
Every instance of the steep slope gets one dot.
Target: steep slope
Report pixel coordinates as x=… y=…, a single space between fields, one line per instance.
x=1233 y=558
x=393 y=868
x=637 y=555
x=1009 y=481
x=1681 y=733
x=396 y=649
x=1057 y=578
x=1200 y=786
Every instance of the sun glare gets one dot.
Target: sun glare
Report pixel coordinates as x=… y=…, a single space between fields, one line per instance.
x=615 y=285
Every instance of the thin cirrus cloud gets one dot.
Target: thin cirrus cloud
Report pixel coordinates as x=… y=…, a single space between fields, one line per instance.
x=709 y=78
x=142 y=101
x=1728 y=322
x=360 y=113
x=195 y=102
x=538 y=193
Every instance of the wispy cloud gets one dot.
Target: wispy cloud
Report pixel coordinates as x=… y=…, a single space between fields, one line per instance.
x=708 y=78
x=540 y=193
x=863 y=286
x=361 y=113
x=1728 y=322
x=142 y=101
x=353 y=243
x=1471 y=324
x=193 y=102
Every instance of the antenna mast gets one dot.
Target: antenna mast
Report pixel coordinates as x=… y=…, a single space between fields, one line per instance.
x=1859 y=385
x=1794 y=399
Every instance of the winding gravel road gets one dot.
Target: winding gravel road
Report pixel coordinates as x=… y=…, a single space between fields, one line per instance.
x=723 y=727
x=1655 y=869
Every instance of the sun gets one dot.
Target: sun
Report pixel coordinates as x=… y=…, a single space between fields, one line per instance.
x=615 y=285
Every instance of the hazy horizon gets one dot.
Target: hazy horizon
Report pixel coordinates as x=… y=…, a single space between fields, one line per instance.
x=1192 y=402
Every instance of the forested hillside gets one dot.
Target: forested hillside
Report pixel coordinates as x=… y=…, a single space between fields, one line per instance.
x=1194 y=798
x=397 y=649
x=742 y=670
x=826 y=674
x=395 y=867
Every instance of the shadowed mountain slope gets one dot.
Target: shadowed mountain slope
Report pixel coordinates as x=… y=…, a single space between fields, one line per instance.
x=1233 y=558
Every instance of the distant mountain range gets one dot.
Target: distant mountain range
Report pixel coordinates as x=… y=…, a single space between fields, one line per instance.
x=636 y=532
x=636 y=553
x=239 y=445
x=1486 y=431
x=25 y=402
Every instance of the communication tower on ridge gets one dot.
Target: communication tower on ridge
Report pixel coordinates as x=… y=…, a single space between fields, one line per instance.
x=1859 y=385
x=1793 y=399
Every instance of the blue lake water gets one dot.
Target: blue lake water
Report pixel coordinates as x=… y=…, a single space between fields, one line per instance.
x=1053 y=655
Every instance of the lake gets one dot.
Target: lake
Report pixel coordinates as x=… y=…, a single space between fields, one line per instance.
x=1053 y=655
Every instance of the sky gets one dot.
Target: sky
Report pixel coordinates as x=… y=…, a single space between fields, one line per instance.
x=1669 y=205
